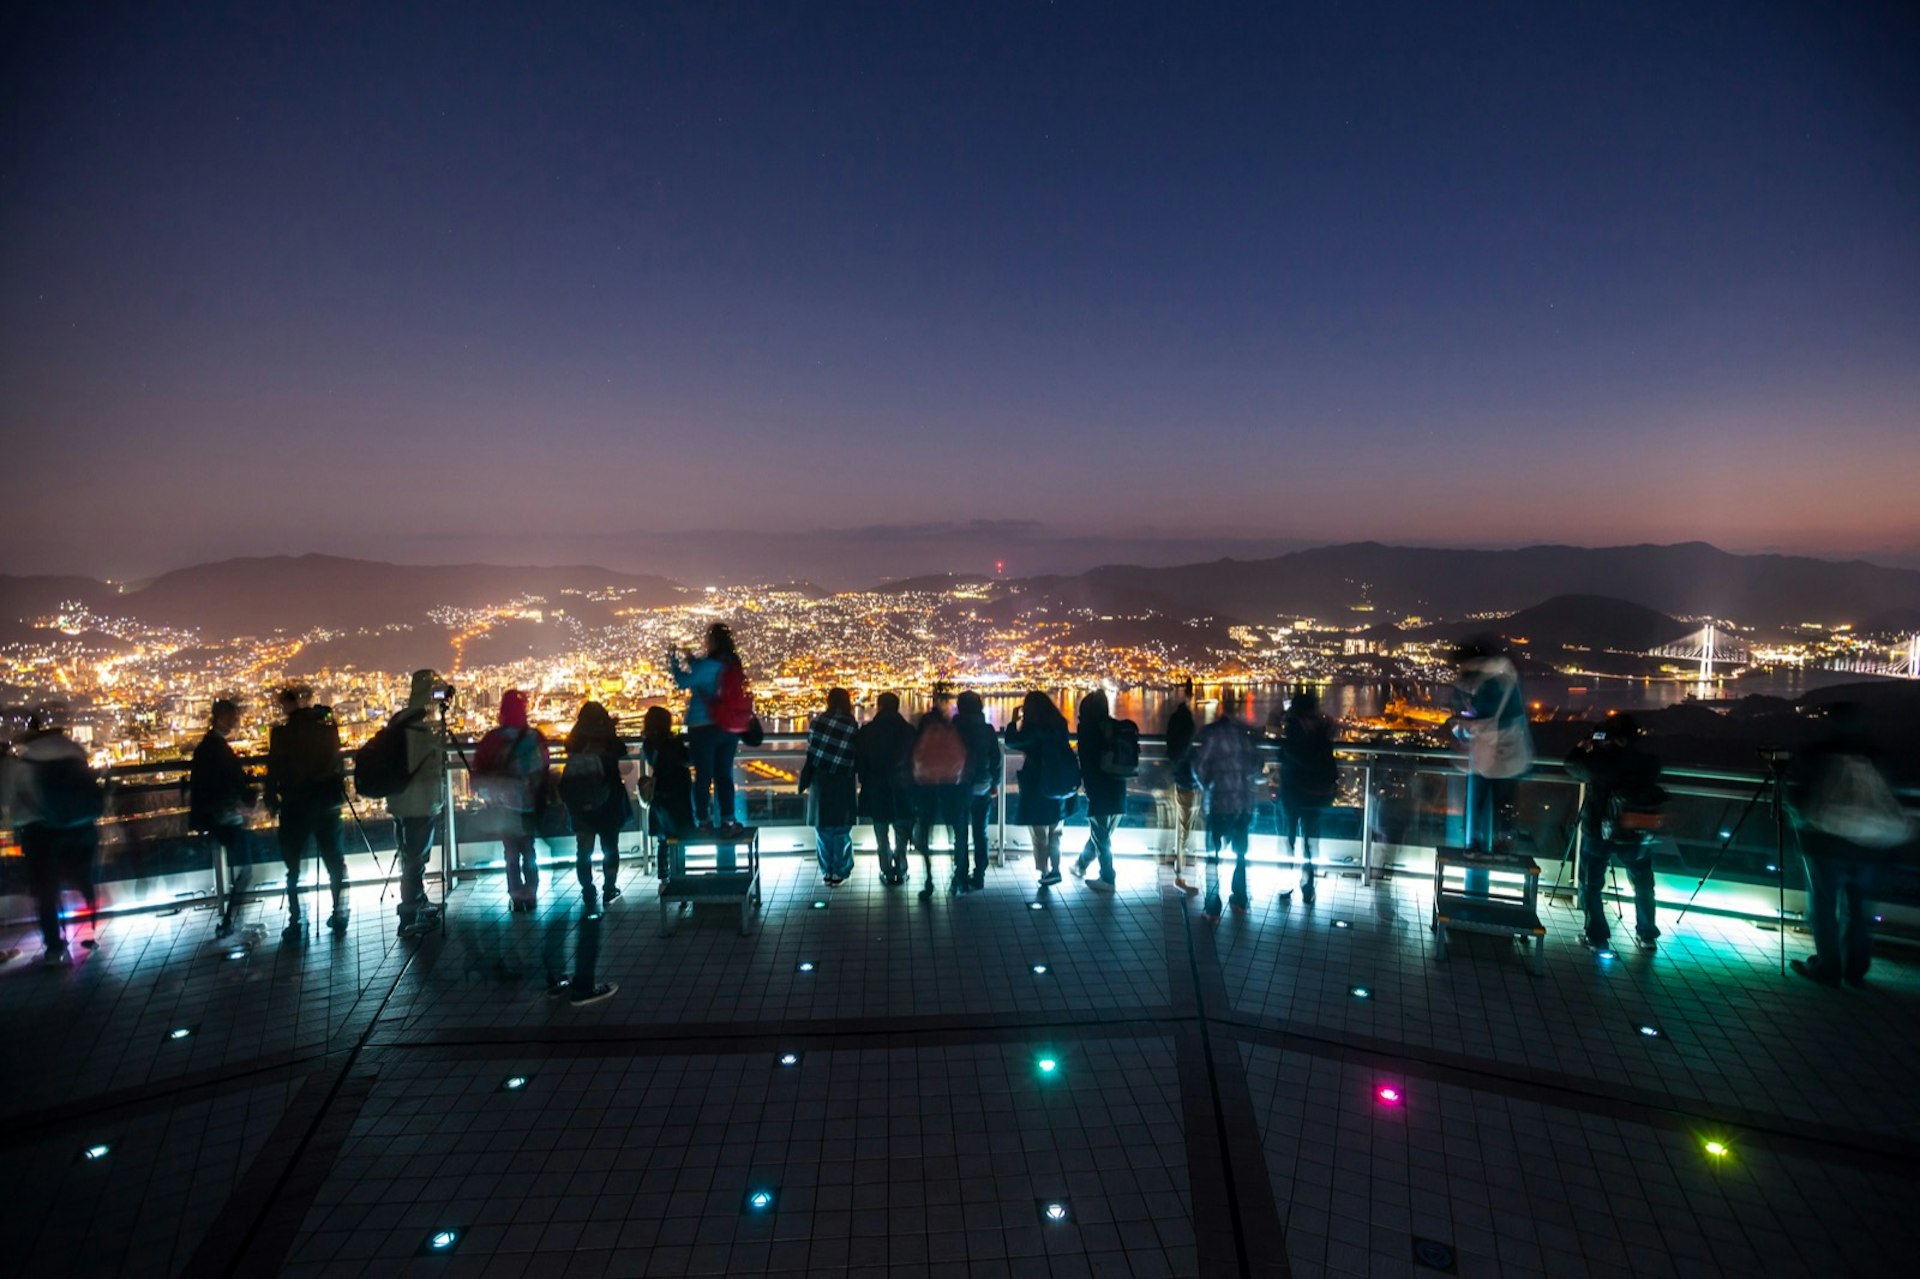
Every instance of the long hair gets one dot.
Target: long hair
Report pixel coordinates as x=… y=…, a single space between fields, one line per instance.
x=1093 y=708
x=1038 y=711
x=592 y=731
x=656 y=727
x=720 y=642
x=839 y=702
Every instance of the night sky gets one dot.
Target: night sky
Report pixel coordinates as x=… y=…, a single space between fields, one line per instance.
x=672 y=288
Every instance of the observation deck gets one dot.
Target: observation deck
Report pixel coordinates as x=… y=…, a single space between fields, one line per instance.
x=1294 y=1089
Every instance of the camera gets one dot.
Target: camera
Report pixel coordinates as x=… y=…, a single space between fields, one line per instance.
x=443 y=693
x=1774 y=754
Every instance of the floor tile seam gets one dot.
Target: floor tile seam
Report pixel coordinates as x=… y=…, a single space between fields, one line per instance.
x=656 y=1038
x=1826 y=1144
x=1234 y=1143
x=26 y=1127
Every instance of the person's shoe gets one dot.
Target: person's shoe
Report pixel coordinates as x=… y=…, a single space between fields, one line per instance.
x=592 y=911
x=1855 y=980
x=1285 y=894
x=978 y=882
x=605 y=990
x=416 y=927
x=223 y=929
x=1307 y=893
x=1595 y=943
x=296 y=930
x=1648 y=940
x=926 y=890
x=1238 y=908
x=733 y=830
x=1185 y=887
x=1049 y=879
x=612 y=895
x=1813 y=972
x=55 y=956
x=1101 y=884
x=1079 y=870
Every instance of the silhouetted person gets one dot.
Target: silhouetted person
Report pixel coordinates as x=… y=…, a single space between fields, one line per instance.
x=1226 y=760
x=883 y=757
x=1049 y=777
x=510 y=766
x=54 y=802
x=1622 y=804
x=939 y=785
x=1106 y=792
x=1490 y=721
x=1186 y=791
x=1307 y=777
x=829 y=775
x=596 y=797
x=985 y=763
x=717 y=714
x=416 y=809
x=306 y=785
x=1849 y=821
x=669 y=781
x=219 y=797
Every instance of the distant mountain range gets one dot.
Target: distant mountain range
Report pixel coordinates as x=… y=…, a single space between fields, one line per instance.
x=1625 y=597
x=1690 y=579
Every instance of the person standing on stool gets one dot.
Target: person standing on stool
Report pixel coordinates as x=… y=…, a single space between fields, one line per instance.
x=713 y=742
x=1490 y=720
x=416 y=810
x=1622 y=806
x=306 y=786
x=219 y=797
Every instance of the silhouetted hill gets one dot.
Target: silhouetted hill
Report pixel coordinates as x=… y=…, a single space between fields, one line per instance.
x=296 y=593
x=1594 y=621
x=27 y=597
x=1690 y=579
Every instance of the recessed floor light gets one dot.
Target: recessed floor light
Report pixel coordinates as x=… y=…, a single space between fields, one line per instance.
x=442 y=1240
x=1048 y=1065
x=819 y=905
x=1039 y=970
x=806 y=966
x=94 y=1153
x=513 y=1083
x=1360 y=992
x=787 y=1059
x=1055 y=1212
x=1718 y=1149
x=237 y=953
x=1341 y=923
x=1650 y=1030
x=180 y=1032
x=760 y=1201
x=1036 y=905
x=1388 y=1094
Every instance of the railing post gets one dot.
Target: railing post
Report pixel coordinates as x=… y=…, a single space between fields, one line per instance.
x=1000 y=844
x=1366 y=822
x=449 y=837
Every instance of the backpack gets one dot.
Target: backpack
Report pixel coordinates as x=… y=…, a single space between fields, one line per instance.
x=1121 y=758
x=732 y=707
x=1633 y=812
x=1059 y=768
x=1853 y=802
x=310 y=759
x=584 y=784
x=380 y=765
x=504 y=766
x=939 y=756
x=69 y=792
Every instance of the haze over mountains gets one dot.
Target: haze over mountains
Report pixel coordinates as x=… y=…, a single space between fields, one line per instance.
x=257 y=596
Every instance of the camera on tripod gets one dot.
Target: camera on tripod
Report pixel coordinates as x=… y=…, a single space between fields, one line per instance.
x=443 y=693
x=1774 y=754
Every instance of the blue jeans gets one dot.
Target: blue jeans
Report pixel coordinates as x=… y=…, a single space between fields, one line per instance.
x=1489 y=804
x=835 y=850
x=1225 y=829
x=1100 y=844
x=1595 y=855
x=712 y=748
x=974 y=833
x=1842 y=929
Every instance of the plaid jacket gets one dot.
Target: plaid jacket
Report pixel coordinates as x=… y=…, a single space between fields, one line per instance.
x=830 y=744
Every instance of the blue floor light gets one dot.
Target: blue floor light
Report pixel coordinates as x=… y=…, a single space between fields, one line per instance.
x=442 y=1241
x=759 y=1201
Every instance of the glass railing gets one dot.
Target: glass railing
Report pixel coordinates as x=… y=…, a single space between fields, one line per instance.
x=1393 y=807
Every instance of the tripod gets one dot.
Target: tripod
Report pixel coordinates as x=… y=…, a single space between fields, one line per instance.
x=1772 y=788
x=447 y=833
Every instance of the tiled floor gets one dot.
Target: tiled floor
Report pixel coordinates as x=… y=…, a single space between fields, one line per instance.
x=1213 y=1108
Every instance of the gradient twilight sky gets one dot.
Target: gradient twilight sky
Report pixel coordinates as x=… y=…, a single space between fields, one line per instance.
x=580 y=282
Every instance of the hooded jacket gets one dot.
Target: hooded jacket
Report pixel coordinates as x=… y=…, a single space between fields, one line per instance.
x=425 y=795
x=510 y=764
